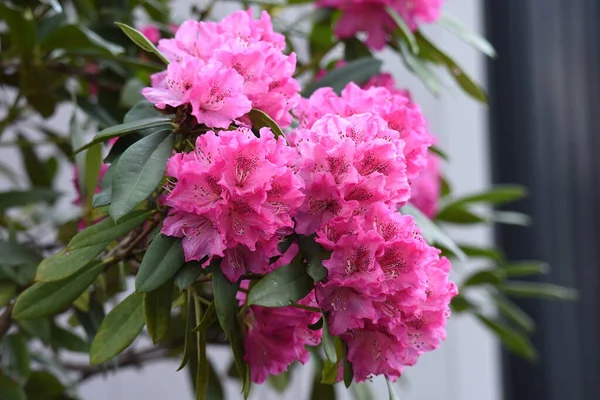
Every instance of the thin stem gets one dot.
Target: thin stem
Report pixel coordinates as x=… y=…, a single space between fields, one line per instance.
x=307 y=308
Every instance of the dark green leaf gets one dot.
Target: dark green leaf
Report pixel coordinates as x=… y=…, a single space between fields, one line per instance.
x=202 y=372
x=458 y=215
x=432 y=232
x=142 y=41
x=35 y=168
x=524 y=268
x=485 y=252
x=331 y=368
x=348 y=372
x=538 y=290
x=126 y=128
x=514 y=313
x=143 y=109
x=91 y=320
x=93 y=163
x=139 y=171
x=513 y=340
x=131 y=93
x=280 y=382
x=65 y=263
x=226 y=308
x=157 y=309
x=261 y=120
x=484 y=277
x=119 y=329
x=357 y=71
x=7 y=291
x=421 y=69
x=497 y=195
x=314 y=254
x=405 y=33
x=470 y=37
x=15 y=356
x=283 y=286
x=38 y=328
x=328 y=343
x=187 y=274
x=320 y=391
x=104 y=197
x=21 y=28
x=78 y=37
x=50 y=24
x=187 y=311
x=64 y=339
x=439 y=152
x=215 y=388
x=161 y=262
x=44 y=299
x=355 y=49
x=209 y=318
x=9 y=389
x=391 y=389
x=461 y=304
x=97 y=112
x=20 y=198
x=42 y=385
x=14 y=254
x=107 y=230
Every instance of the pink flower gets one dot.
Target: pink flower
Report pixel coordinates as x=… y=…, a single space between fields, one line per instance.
x=371 y=16
x=234 y=197
x=426 y=187
x=176 y=85
x=151 y=32
x=277 y=337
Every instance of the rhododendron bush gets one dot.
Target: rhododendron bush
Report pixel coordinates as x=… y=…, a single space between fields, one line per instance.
x=232 y=193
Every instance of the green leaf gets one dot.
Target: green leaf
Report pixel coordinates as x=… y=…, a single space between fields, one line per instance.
x=484 y=277
x=91 y=320
x=131 y=93
x=510 y=218
x=142 y=41
x=432 y=232
x=126 y=128
x=157 y=309
x=209 y=318
x=514 y=313
x=20 y=198
x=362 y=391
x=7 y=291
x=42 y=385
x=202 y=372
x=328 y=343
x=44 y=299
x=439 y=152
x=64 y=339
x=104 y=197
x=348 y=371
x=463 y=80
x=143 y=109
x=497 y=195
x=537 y=290
x=283 y=286
x=38 y=328
x=461 y=304
x=14 y=254
x=320 y=391
x=215 y=388
x=96 y=112
x=524 y=268
x=107 y=230
x=15 y=356
x=314 y=254
x=261 y=120
x=186 y=343
x=161 y=262
x=458 y=215
x=78 y=37
x=9 y=389
x=405 y=33
x=66 y=263
x=139 y=171
x=119 y=329
x=226 y=309
x=391 y=389
x=421 y=69
x=36 y=170
x=187 y=274
x=280 y=382
x=357 y=71
x=21 y=29
x=331 y=368
x=459 y=29
x=93 y=163
x=513 y=340
x=485 y=252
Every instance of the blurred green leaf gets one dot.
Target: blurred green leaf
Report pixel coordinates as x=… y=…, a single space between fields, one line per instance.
x=14 y=254
x=362 y=391
x=65 y=339
x=37 y=328
x=458 y=28
x=15 y=356
x=20 y=198
x=283 y=286
x=421 y=69
x=142 y=41
x=328 y=343
x=461 y=304
x=131 y=93
x=537 y=290
x=280 y=382
x=358 y=71
x=44 y=299
x=161 y=262
x=35 y=168
x=496 y=195
x=21 y=29
x=157 y=310
x=405 y=33
x=484 y=252
x=484 y=277
x=103 y=198
x=9 y=389
x=458 y=215
x=119 y=329
x=524 y=268
x=210 y=317
x=391 y=389
x=187 y=274
x=78 y=37
x=510 y=218
x=514 y=313
x=355 y=49
x=93 y=163
x=513 y=340
x=7 y=291
x=42 y=385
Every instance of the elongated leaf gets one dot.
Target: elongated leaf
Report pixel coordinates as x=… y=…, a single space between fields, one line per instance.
x=93 y=163
x=314 y=254
x=161 y=262
x=283 y=286
x=20 y=198
x=107 y=230
x=126 y=128
x=7 y=290
x=22 y=30
x=44 y=299
x=66 y=263
x=17 y=254
x=64 y=339
x=514 y=313
x=9 y=389
x=142 y=41
x=458 y=215
x=139 y=171
x=42 y=385
x=470 y=37
x=157 y=310
x=36 y=170
x=485 y=252
x=202 y=372
x=348 y=370
x=261 y=120
x=421 y=69
x=432 y=232
x=497 y=195
x=358 y=71
x=226 y=309
x=524 y=268
x=187 y=274
x=328 y=343
x=78 y=37
x=104 y=197
x=15 y=357
x=513 y=340
x=510 y=218
x=186 y=343
x=538 y=290
x=215 y=387
x=280 y=381
x=40 y=328
x=484 y=277
x=404 y=30
x=119 y=329
x=391 y=389
x=209 y=318
x=91 y=320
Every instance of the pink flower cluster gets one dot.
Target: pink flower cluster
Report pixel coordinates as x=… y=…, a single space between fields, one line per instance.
x=387 y=292
x=234 y=197
x=277 y=337
x=371 y=16
x=395 y=108
x=222 y=70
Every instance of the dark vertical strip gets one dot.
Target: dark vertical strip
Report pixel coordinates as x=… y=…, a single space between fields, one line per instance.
x=544 y=119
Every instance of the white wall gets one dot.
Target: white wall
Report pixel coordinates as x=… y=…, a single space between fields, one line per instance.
x=466 y=366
